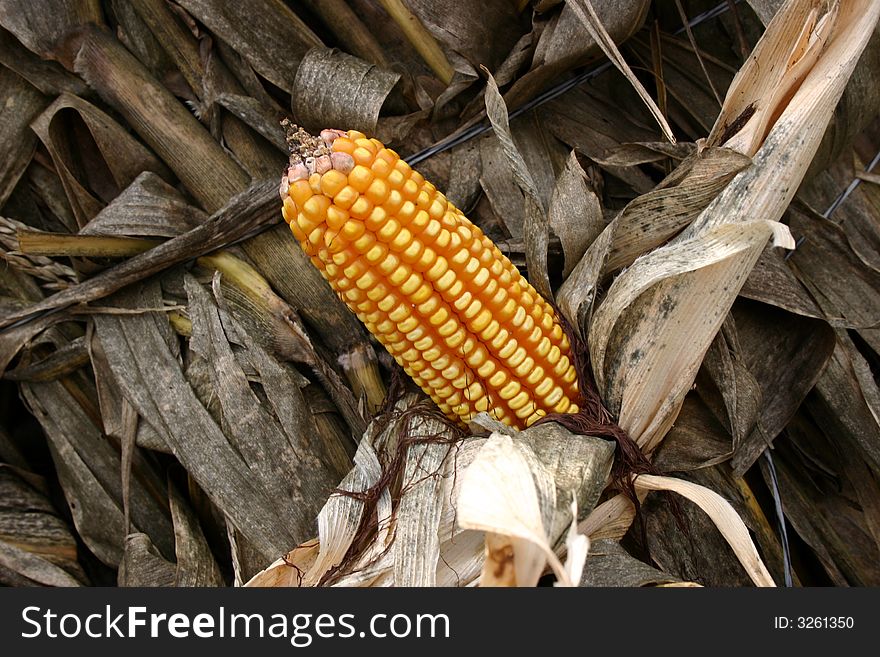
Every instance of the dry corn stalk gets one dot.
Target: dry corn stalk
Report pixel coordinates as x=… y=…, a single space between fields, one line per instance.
x=437 y=293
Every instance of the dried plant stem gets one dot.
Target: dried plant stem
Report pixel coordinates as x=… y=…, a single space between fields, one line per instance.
x=420 y=38
x=36 y=242
x=160 y=119
x=351 y=30
x=180 y=323
x=247 y=211
x=359 y=366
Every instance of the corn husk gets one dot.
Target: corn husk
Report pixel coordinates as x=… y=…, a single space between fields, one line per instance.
x=647 y=384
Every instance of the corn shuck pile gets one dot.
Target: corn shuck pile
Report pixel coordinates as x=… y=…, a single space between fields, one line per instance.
x=191 y=388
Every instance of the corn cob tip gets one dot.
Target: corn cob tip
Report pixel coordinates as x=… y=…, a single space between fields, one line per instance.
x=302 y=144
x=310 y=154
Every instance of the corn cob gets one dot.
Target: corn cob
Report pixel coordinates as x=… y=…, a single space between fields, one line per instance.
x=434 y=290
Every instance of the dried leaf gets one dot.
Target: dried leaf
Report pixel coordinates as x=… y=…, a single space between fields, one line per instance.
x=13 y=339
x=47 y=76
x=482 y=33
x=847 y=401
x=34 y=542
x=416 y=537
x=257 y=116
x=333 y=89
x=589 y=123
x=652 y=218
x=162 y=41
x=271 y=37
x=844 y=287
x=773 y=282
x=795 y=38
x=247 y=558
x=574 y=213
x=142 y=565
x=563 y=46
x=577 y=547
x=584 y=10
x=822 y=506
x=463 y=189
x=169 y=404
x=349 y=28
x=685 y=542
x=245 y=212
x=786 y=355
x=724 y=517
x=503 y=493
x=697 y=440
x=277 y=448
x=768 y=186
x=19 y=104
x=691 y=89
x=536 y=230
x=19 y=567
x=279 y=329
x=195 y=563
x=288 y=570
x=46 y=32
x=646 y=222
x=608 y=564
x=340 y=518
x=103 y=163
x=628 y=155
x=499 y=187
x=165 y=124
x=518 y=57
x=66 y=359
x=610 y=520
x=810 y=39
x=148 y=45
x=88 y=467
x=577 y=296
x=643 y=374
x=147 y=207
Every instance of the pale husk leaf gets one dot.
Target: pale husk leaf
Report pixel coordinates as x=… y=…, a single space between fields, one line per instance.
x=340 y=518
x=416 y=544
x=502 y=493
x=660 y=376
x=649 y=336
x=723 y=515
x=577 y=547
x=574 y=213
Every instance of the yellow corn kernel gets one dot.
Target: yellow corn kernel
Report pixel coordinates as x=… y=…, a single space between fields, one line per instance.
x=378 y=191
x=336 y=217
x=352 y=229
x=300 y=192
x=361 y=208
x=345 y=197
